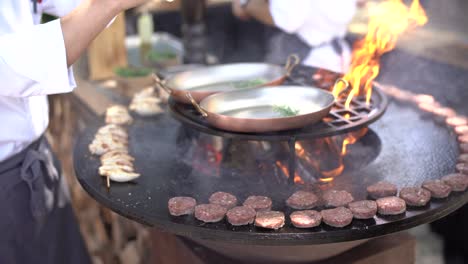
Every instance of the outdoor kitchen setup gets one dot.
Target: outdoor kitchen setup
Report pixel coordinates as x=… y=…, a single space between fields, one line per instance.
x=191 y=159
x=260 y=129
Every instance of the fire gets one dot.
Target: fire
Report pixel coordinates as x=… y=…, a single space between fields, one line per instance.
x=321 y=146
x=284 y=169
x=324 y=152
x=386 y=23
x=351 y=139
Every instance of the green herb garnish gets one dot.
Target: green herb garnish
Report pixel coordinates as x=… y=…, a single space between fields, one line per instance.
x=132 y=72
x=285 y=110
x=248 y=83
x=158 y=56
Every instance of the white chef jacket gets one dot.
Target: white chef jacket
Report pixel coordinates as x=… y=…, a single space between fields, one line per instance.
x=317 y=22
x=33 y=64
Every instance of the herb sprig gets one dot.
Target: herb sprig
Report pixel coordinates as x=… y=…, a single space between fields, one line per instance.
x=248 y=83
x=158 y=56
x=285 y=111
x=132 y=71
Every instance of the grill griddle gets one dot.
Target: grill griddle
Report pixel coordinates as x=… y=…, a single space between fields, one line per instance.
x=408 y=154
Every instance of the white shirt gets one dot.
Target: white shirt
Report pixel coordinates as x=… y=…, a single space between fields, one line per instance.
x=317 y=22
x=32 y=65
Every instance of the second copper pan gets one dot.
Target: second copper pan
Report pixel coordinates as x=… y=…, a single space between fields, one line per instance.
x=209 y=80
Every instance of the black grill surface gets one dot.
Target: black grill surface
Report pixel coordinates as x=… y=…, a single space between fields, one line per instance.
x=405 y=146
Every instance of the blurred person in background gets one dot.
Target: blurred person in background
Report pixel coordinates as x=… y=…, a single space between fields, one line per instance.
x=37 y=223
x=314 y=30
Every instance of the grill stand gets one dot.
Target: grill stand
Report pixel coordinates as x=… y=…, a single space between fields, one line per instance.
x=292 y=160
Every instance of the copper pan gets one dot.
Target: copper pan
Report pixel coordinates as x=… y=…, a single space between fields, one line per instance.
x=257 y=110
x=206 y=81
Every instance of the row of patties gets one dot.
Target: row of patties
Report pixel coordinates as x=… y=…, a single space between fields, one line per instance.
x=384 y=199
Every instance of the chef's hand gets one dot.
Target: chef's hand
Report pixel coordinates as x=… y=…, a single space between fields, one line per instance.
x=84 y=23
x=239 y=11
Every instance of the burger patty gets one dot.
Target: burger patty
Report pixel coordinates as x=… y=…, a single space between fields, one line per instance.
x=463 y=138
x=363 y=209
x=181 y=205
x=224 y=199
x=391 y=205
x=437 y=188
x=337 y=217
x=462 y=168
x=382 y=189
x=302 y=200
x=258 y=203
x=269 y=219
x=461 y=130
x=240 y=215
x=334 y=198
x=463 y=158
x=457 y=181
x=306 y=218
x=464 y=148
x=210 y=213
x=415 y=196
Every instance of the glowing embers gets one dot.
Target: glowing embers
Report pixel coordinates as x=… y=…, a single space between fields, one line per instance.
x=387 y=22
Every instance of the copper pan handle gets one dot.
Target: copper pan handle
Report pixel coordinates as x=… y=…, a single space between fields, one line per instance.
x=160 y=84
x=196 y=105
x=345 y=82
x=292 y=61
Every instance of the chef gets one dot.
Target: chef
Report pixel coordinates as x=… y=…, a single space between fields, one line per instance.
x=37 y=224
x=314 y=30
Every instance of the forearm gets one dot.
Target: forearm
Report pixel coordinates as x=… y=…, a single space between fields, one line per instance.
x=259 y=9
x=84 y=23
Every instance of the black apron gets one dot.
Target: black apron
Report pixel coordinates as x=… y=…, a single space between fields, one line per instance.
x=281 y=45
x=37 y=224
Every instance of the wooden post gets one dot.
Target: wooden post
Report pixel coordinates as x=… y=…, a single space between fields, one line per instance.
x=108 y=51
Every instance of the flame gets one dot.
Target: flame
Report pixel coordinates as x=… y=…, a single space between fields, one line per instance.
x=351 y=139
x=326 y=180
x=334 y=146
x=285 y=170
x=330 y=174
x=321 y=146
x=387 y=22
